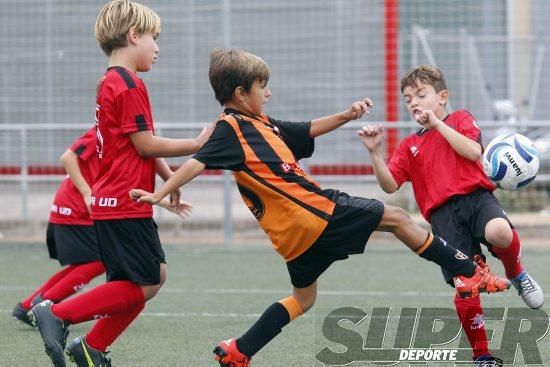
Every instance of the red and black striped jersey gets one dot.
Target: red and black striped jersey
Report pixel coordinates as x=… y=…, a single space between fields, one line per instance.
x=264 y=153
x=122 y=108
x=68 y=207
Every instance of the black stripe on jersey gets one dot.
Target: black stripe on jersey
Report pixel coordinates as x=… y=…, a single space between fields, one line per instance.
x=127 y=77
x=141 y=123
x=268 y=156
x=81 y=148
x=311 y=209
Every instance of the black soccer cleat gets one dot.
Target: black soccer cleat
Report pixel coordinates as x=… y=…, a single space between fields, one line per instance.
x=488 y=361
x=36 y=300
x=83 y=355
x=20 y=313
x=53 y=331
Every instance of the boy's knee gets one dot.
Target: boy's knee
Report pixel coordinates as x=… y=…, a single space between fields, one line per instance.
x=395 y=216
x=498 y=233
x=149 y=291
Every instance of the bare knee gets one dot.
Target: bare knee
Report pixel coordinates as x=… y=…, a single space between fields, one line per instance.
x=394 y=218
x=306 y=296
x=498 y=232
x=149 y=291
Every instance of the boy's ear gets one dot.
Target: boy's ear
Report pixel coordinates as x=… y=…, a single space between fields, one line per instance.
x=132 y=36
x=240 y=93
x=444 y=96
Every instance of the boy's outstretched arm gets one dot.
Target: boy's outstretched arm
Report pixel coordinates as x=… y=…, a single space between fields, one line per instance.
x=326 y=124
x=149 y=145
x=69 y=159
x=371 y=136
x=188 y=171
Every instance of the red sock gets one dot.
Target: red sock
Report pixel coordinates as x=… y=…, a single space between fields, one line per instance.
x=47 y=285
x=102 y=301
x=74 y=281
x=470 y=314
x=106 y=331
x=511 y=256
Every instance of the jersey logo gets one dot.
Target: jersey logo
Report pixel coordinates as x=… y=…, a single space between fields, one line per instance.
x=252 y=201
x=99 y=144
x=414 y=150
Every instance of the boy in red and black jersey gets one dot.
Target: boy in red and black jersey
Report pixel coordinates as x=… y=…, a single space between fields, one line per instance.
x=71 y=237
x=127 y=234
x=453 y=193
x=309 y=227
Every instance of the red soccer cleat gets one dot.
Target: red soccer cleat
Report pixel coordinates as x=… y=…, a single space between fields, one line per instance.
x=227 y=354
x=482 y=281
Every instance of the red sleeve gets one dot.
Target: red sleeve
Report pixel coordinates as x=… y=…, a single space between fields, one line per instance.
x=399 y=165
x=133 y=109
x=467 y=126
x=85 y=146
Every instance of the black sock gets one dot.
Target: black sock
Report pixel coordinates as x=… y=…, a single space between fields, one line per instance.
x=448 y=257
x=268 y=326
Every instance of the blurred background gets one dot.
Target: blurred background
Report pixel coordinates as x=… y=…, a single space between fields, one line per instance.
x=323 y=55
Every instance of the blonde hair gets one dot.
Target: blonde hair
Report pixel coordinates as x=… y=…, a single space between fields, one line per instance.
x=424 y=74
x=117 y=17
x=234 y=68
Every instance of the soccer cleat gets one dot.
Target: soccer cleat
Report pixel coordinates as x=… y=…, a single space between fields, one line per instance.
x=83 y=355
x=20 y=313
x=481 y=281
x=52 y=330
x=227 y=354
x=488 y=361
x=36 y=300
x=529 y=290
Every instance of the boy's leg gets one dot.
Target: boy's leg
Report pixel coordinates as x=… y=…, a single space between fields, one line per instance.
x=470 y=314
x=268 y=326
x=47 y=285
x=469 y=279
x=74 y=281
x=507 y=247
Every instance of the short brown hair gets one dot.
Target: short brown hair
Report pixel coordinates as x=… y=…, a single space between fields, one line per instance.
x=424 y=74
x=234 y=68
x=117 y=17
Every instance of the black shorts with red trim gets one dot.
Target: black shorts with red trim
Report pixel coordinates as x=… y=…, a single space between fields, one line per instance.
x=352 y=222
x=72 y=244
x=461 y=221
x=130 y=250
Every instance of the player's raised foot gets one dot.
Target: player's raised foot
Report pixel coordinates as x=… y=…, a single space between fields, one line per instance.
x=52 y=330
x=529 y=290
x=20 y=313
x=80 y=353
x=488 y=361
x=227 y=354
x=482 y=281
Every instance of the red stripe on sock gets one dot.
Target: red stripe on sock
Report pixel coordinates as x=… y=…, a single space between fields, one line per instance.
x=470 y=315
x=511 y=256
x=102 y=301
x=74 y=281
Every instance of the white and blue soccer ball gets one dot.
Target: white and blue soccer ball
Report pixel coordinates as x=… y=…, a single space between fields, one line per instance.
x=511 y=161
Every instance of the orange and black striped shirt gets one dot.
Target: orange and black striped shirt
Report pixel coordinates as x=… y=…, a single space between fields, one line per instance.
x=263 y=153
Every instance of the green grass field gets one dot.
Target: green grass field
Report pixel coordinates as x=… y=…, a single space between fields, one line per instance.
x=217 y=293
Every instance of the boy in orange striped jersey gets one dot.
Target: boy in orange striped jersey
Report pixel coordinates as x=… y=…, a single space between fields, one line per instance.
x=309 y=226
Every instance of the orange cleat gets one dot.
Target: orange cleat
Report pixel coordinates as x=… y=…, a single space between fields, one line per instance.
x=481 y=281
x=227 y=354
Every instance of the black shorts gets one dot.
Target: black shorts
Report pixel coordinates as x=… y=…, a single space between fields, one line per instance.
x=347 y=233
x=72 y=244
x=461 y=221
x=130 y=250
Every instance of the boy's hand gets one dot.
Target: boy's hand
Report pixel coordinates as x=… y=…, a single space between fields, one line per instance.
x=204 y=135
x=182 y=210
x=87 y=198
x=143 y=196
x=175 y=198
x=428 y=120
x=371 y=136
x=357 y=109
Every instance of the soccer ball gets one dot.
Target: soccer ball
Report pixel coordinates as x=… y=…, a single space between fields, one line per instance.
x=511 y=161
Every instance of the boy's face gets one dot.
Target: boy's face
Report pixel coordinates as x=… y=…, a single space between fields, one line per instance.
x=147 y=52
x=422 y=97
x=256 y=97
